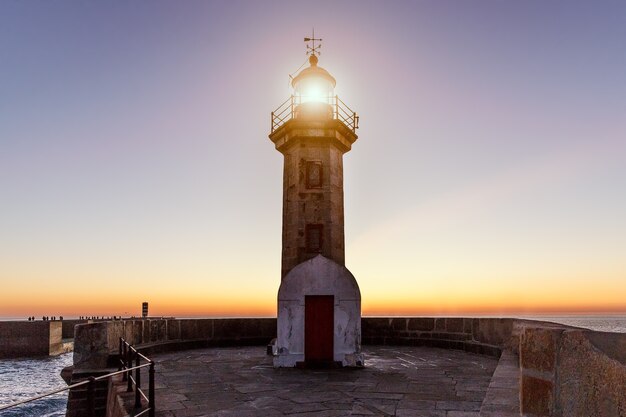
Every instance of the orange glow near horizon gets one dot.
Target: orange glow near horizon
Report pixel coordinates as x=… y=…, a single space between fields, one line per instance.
x=261 y=302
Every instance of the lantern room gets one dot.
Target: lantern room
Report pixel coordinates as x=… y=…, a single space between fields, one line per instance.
x=314 y=84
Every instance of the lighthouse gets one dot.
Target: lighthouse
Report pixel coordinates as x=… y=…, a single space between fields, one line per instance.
x=319 y=302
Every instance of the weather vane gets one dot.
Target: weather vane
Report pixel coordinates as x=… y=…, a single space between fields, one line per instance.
x=312 y=49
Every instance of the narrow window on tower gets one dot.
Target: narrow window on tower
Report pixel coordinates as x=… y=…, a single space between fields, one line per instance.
x=313 y=174
x=313 y=235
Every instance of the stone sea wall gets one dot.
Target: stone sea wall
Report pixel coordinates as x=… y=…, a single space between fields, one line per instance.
x=94 y=343
x=68 y=327
x=30 y=338
x=487 y=336
x=569 y=372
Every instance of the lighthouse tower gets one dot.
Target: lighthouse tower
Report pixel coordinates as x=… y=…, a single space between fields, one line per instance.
x=319 y=302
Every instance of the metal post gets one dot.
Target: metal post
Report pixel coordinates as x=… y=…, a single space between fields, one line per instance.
x=151 y=388
x=129 y=364
x=137 y=382
x=119 y=365
x=91 y=397
x=124 y=362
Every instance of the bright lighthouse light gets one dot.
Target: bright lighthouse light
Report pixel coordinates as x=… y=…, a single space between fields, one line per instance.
x=314 y=90
x=313 y=84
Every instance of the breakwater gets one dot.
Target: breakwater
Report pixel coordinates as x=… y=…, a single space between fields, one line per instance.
x=25 y=338
x=563 y=371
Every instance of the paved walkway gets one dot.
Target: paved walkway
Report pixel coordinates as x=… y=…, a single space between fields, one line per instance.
x=397 y=381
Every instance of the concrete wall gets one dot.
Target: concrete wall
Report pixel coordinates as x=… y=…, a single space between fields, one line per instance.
x=572 y=373
x=36 y=338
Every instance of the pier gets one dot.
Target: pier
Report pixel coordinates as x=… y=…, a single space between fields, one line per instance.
x=414 y=366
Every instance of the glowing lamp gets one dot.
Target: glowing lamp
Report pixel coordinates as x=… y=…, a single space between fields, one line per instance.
x=314 y=88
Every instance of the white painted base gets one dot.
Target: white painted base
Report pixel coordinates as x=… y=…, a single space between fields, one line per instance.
x=319 y=276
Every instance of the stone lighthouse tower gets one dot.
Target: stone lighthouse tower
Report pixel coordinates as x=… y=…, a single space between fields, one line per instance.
x=319 y=302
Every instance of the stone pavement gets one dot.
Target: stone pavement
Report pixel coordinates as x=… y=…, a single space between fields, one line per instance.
x=397 y=381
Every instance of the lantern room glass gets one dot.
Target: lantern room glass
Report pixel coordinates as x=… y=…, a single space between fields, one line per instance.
x=314 y=89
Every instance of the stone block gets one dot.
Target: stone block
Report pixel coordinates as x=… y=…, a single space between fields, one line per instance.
x=538 y=348
x=115 y=330
x=375 y=327
x=537 y=396
x=612 y=345
x=440 y=324
x=173 y=329
x=494 y=331
x=205 y=329
x=158 y=330
x=600 y=380
x=475 y=329
x=146 y=331
x=398 y=323
x=454 y=325
x=422 y=324
x=68 y=327
x=55 y=342
x=135 y=329
x=233 y=329
x=188 y=329
x=23 y=338
x=467 y=325
x=91 y=348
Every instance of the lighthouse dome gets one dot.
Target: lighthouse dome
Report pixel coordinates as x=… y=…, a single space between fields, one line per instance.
x=313 y=71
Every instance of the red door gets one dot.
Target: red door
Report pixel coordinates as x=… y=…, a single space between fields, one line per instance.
x=319 y=320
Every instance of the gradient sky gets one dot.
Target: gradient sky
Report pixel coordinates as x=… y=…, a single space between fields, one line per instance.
x=489 y=175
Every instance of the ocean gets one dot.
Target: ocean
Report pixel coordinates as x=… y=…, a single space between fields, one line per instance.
x=616 y=324
x=24 y=378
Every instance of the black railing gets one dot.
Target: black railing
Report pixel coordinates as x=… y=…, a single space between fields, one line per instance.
x=127 y=354
x=340 y=111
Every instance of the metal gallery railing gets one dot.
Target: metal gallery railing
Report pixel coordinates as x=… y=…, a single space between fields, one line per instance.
x=289 y=108
x=128 y=354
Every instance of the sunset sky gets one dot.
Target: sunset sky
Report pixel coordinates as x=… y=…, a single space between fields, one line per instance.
x=489 y=176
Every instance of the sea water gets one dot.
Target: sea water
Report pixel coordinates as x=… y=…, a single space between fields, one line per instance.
x=25 y=378
x=616 y=324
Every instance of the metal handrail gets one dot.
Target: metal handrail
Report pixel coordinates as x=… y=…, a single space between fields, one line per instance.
x=340 y=111
x=126 y=368
x=125 y=358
